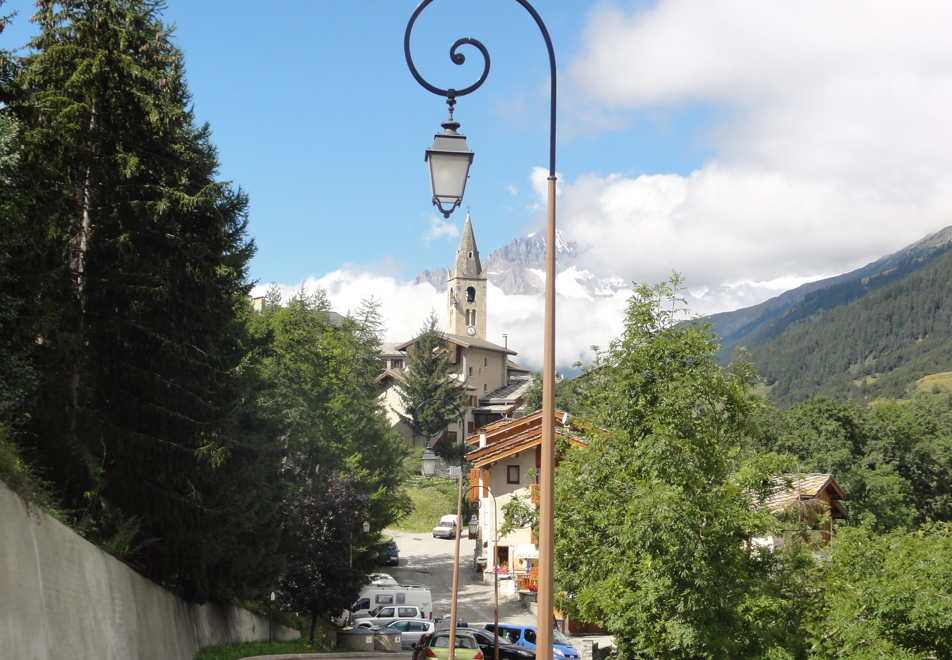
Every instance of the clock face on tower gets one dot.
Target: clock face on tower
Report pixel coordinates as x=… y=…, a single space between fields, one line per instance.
x=471 y=331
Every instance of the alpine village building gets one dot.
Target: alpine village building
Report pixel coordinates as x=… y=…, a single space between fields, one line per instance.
x=494 y=383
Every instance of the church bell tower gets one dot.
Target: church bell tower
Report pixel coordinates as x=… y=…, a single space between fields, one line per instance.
x=466 y=289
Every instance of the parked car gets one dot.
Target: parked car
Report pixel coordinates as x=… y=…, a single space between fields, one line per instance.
x=388 y=553
x=525 y=636
x=411 y=630
x=507 y=651
x=437 y=646
x=383 y=579
x=382 y=615
x=446 y=528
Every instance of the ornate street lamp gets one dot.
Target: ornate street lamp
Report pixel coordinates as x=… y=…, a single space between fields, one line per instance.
x=429 y=463
x=449 y=159
x=545 y=610
x=473 y=526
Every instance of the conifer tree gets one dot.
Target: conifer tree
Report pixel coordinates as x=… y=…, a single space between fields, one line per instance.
x=138 y=257
x=430 y=395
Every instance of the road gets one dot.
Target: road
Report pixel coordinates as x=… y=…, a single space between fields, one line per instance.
x=429 y=561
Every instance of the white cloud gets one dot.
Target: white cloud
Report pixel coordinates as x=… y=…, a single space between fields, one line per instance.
x=438 y=229
x=405 y=307
x=830 y=151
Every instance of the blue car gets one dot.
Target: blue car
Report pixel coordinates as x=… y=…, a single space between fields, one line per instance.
x=525 y=636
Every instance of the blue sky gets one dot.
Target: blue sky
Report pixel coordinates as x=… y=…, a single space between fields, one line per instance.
x=749 y=145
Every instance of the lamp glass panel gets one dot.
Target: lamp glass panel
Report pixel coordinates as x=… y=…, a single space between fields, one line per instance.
x=429 y=463
x=448 y=173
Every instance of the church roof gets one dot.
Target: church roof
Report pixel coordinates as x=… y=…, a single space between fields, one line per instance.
x=513 y=367
x=466 y=342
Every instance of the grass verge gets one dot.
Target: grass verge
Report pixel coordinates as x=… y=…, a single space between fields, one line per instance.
x=252 y=649
x=431 y=499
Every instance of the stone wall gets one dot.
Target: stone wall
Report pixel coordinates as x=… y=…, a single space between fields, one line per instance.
x=62 y=597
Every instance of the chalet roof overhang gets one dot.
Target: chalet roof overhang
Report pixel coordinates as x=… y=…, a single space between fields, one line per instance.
x=808 y=489
x=509 y=437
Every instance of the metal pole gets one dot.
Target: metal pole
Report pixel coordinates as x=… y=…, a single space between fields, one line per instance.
x=545 y=604
x=271 y=618
x=453 y=607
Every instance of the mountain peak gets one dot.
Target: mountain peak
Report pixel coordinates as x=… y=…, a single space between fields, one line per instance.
x=519 y=268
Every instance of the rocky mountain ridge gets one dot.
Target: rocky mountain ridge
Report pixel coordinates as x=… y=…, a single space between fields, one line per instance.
x=519 y=267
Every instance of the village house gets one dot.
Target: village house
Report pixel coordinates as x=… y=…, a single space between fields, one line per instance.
x=808 y=503
x=505 y=458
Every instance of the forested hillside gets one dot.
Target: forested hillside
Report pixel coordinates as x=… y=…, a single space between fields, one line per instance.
x=874 y=346
x=869 y=333
x=754 y=325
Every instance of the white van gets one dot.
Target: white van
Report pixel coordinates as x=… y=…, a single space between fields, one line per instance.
x=446 y=528
x=376 y=595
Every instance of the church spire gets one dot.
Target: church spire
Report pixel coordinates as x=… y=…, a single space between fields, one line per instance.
x=467 y=256
x=466 y=289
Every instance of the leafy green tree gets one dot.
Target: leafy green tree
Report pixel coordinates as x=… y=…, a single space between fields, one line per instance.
x=893 y=461
x=430 y=394
x=320 y=577
x=656 y=517
x=887 y=596
x=579 y=396
x=322 y=398
x=16 y=375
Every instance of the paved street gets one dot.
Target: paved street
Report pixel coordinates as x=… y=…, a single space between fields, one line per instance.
x=429 y=561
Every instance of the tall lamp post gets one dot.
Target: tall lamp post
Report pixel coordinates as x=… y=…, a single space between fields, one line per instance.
x=449 y=183
x=473 y=529
x=429 y=467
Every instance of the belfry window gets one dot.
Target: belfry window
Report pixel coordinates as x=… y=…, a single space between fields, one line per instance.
x=470 y=294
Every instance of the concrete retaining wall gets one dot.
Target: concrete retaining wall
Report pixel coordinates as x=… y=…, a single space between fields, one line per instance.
x=62 y=597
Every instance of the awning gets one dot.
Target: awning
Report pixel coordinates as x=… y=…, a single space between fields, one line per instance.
x=526 y=551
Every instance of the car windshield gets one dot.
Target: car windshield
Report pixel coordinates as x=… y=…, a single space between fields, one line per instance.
x=559 y=638
x=462 y=642
x=445 y=524
x=375 y=611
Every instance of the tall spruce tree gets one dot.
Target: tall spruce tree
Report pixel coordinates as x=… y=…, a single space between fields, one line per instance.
x=431 y=397
x=138 y=256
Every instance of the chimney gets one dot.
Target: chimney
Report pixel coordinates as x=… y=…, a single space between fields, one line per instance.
x=505 y=341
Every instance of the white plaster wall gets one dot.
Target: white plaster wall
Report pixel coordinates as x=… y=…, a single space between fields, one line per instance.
x=505 y=492
x=62 y=597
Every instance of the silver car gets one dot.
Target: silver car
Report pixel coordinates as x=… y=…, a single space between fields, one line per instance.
x=411 y=630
